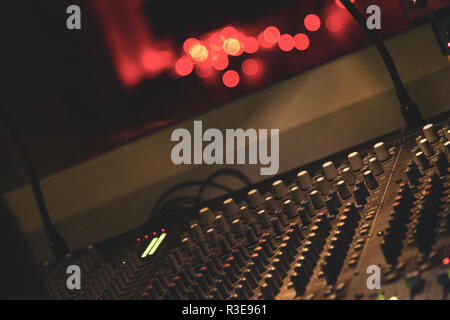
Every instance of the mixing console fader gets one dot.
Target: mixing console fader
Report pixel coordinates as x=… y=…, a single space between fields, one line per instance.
x=367 y=223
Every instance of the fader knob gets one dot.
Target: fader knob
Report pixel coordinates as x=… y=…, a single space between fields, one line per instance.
x=323 y=185
x=279 y=189
x=289 y=209
x=430 y=133
x=304 y=180
x=375 y=166
x=206 y=217
x=316 y=199
x=381 y=151
x=263 y=218
x=424 y=145
x=370 y=180
x=422 y=160
x=343 y=190
x=255 y=199
x=230 y=207
x=329 y=170
x=348 y=175
x=355 y=161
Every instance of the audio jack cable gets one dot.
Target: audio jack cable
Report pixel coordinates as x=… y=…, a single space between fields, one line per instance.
x=56 y=241
x=409 y=109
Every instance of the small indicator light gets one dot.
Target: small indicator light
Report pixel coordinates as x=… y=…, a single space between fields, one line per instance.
x=146 y=236
x=157 y=244
x=163 y=230
x=393 y=298
x=149 y=247
x=446 y=261
x=138 y=239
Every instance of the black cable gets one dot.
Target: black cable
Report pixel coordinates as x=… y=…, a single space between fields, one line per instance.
x=409 y=109
x=183 y=185
x=230 y=172
x=56 y=242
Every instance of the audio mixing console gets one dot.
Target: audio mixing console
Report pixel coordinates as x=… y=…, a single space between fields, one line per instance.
x=316 y=233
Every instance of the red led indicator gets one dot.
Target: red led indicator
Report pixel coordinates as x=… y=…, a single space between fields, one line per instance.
x=301 y=41
x=138 y=239
x=146 y=236
x=231 y=78
x=446 y=261
x=154 y=233
x=286 y=42
x=163 y=230
x=312 y=22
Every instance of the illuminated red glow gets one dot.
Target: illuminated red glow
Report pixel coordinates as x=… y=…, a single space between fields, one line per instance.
x=138 y=239
x=312 y=22
x=250 y=67
x=155 y=61
x=188 y=43
x=198 y=52
x=446 y=261
x=301 y=41
x=233 y=47
x=272 y=34
x=286 y=42
x=334 y=23
x=229 y=32
x=230 y=79
x=263 y=43
x=184 y=66
x=220 y=61
x=251 y=45
x=340 y=5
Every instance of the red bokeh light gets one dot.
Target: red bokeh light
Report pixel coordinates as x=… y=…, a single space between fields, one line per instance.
x=312 y=22
x=446 y=261
x=301 y=41
x=233 y=47
x=334 y=23
x=146 y=236
x=231 y=78
x=188 y=43
x=250 y=67
x=220 y=61
x=251 y=45
x=203 y=72
x=263 y=42
x=184 y=66
x=286 y=42
x=272 y=34
x=216 y=41
x=229 y=32
x=138 y=239
x=340 y=5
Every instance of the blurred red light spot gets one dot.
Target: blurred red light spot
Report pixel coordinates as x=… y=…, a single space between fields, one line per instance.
x=250 y=67
x=188 y=43
x=203 y=72
x=146 y=236
x=220 y=61
x=446 y=261
x=184 y=66
x=286 y=42
x=232 y=46
x=230 y=78
x=216 y=42
x=229 y=32
x=138 y=239
x=199 y=52
x=340 y=5
x=263 y=42
x=272 y=34
x=301 y=41
x=251 y=45
x=312 y=22
x=334 y=23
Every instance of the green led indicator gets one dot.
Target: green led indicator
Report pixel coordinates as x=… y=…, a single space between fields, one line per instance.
x=157 y=244
x=153 y=245
x=149 y=247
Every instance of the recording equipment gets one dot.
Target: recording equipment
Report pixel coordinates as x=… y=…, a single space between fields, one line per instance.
x=316 y=232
